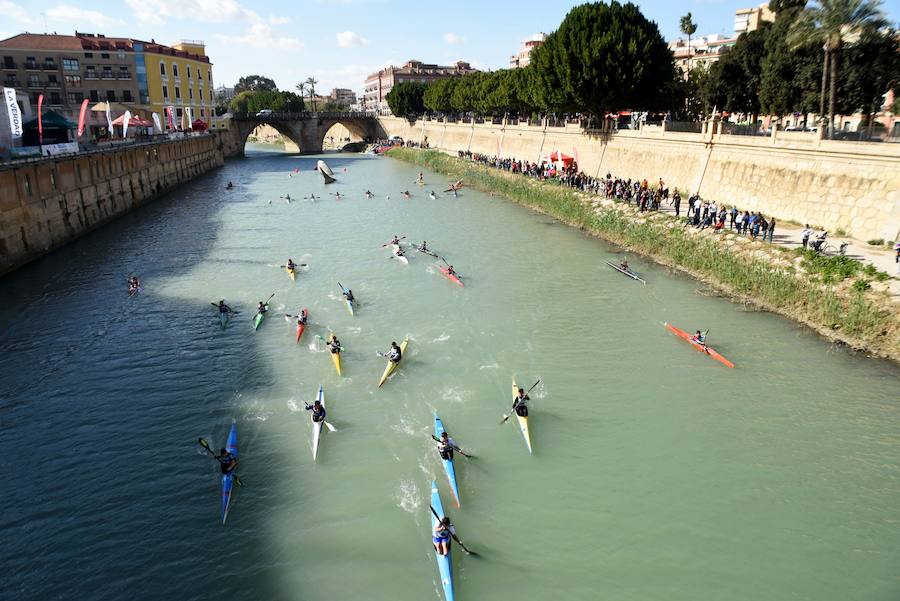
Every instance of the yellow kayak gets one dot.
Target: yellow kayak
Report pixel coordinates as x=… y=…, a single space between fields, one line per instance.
x=291 y=273
x=523 y=421
x=391 y=366
x=336 y=357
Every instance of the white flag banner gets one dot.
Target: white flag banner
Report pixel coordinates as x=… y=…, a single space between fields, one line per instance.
x=15 y=115
x=190 y=118
x=125 y=122
x=109 y=120
x=157 y=123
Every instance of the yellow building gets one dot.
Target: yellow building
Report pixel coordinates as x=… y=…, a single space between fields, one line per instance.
x=179 y=76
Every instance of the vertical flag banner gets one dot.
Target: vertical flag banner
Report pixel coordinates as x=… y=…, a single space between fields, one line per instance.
x=15 y=115
x=183 y=115
x=170 y=117
x=157 y=123
x=190 y=118
x=81 y=115
x=125 y=122
x=40 y=119
x=109 y=120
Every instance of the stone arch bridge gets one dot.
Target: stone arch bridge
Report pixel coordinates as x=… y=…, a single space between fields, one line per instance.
x=304 y=132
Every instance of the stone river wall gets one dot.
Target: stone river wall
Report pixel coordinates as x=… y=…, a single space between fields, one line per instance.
x=794 y=176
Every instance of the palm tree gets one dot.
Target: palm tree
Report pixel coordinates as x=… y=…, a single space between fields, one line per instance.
x=833 y=23
x=688 y=28
x=301 y=87
x=311 y=84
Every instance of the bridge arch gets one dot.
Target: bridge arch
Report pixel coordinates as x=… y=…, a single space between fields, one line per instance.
x=306 y=131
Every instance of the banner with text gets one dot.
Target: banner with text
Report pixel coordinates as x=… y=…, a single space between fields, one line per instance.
x=15 y=115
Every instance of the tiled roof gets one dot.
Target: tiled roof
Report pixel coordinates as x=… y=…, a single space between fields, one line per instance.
x=40 y=41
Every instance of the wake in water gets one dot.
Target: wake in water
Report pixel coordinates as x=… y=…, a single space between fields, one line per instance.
x=442 y=338
x=408 y=498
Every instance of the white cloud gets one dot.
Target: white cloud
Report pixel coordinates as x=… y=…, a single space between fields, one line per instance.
x=273 y=20
x=207 y=11
x=350 y=39
x=260 y=35
x=453 y=39
x=14 y=11
x=73 y=14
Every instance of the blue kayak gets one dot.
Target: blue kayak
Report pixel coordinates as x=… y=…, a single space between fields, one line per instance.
x=228 y=479
x=448 y=463
x=443 y=561
x=349 y=302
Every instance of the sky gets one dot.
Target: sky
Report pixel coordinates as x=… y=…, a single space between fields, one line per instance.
x=339 y=42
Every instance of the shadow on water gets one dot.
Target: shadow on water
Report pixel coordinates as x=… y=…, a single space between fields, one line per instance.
x=102 y=399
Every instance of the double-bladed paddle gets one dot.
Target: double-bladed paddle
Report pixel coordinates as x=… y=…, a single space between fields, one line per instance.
x=327 y=425
x=230 y=310
x=448 y=265
x=455 y=448
x=205 y=445
x=506 y=417
x=389 y=243
x=265 y=304
x=456 y=538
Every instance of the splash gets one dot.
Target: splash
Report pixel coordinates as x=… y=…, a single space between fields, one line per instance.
x=442 y=338
x=405 y=426
x=455 y=394
x=490 y=366
x=408 y=496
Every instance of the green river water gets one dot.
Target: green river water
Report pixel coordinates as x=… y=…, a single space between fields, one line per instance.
x=657 y=473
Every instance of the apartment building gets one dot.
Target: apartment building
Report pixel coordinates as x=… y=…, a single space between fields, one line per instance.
x=523 y=57
x=379 y=84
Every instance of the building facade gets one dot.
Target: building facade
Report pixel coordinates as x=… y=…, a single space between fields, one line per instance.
x=379 y=84
x=750 y=19
x=523 y=57
x=702 y=52
x=343 y=96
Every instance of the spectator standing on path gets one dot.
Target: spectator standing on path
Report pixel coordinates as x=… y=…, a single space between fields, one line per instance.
x=738 y=221
x=734 y=213
x=806 y=233
x=771 y=229
x=676 y=200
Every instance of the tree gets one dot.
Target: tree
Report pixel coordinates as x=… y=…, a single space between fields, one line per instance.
x=734 y=80
x=688 y=28
x=311 y=85
x=785 y=85
x=602 y=57
x=405 y=99
x=301 y=88
x=872 y=68
x=333 y=106
x=831 y=24
x=254 y=83
x=253 y=102
x=438 y=94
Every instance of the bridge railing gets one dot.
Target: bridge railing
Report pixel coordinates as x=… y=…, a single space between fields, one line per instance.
x=302 y=115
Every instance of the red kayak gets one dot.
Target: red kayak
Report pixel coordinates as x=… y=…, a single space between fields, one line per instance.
x=451 y=277
x=700 y=347
x=300 y=326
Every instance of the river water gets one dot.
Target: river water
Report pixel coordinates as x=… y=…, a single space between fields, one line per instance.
x=657 y=473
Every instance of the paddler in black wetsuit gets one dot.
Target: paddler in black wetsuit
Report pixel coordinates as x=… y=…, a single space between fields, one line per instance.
x=261 y=308
x=349 y=295
x=623 y=265
x=318 y=411
x=300 y=317
x=699 y=337
x=335 y=345
x=227 y=461
x=395 y=354
x=223 y=308
x=519 y=405
x=424 y=247
x=451 y=271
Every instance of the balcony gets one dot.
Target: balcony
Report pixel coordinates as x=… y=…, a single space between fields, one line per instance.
x=107 y=75
x=35 y=84
x=53 y=85
x=10 y=66
x=12 y=83
x=91 y=75
x=31 y=65
x=50 y=67
x=123 y=76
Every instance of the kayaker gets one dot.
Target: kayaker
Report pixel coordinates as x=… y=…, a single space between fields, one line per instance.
x=424 y=246
x=335 y=345
x=290 y=264
x=398 y=252
x=261 y=308
x=318 y=411
x=394 y=355
x=431 y=195
x=395 y=240
x=368 y=194
x=624 y=264
x=133 y=282
x=442 y=533
x=227 y=461
x=406 y=194
x=229 y=186
x=223 y=308
x=451 y=271
x=300 y=317
x=446 y=446
x=349 y=295
x=519 y=405
x=699 y=337
x=421 y=179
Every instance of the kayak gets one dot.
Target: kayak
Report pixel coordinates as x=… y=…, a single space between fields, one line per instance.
x=630 y=274
x=425 y=251
x=317 y=426
x=228 y=479
x=452 y=277
x=223 y=319
x=300 y=326
x=700 y=347
x=391 y=366
x=448 y=463
x=445 y=566
x=292 y=273
x=395 y=248
x=523 y=421
x=349 y=302
x=336 y=357
x=259 y=318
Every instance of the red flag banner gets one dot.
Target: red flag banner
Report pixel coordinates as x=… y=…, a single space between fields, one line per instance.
x=81 y=115
x=170 y=117
x=40 y=119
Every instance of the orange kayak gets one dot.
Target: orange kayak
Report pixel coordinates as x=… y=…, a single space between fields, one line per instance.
x=301 y=327
x=700 y=347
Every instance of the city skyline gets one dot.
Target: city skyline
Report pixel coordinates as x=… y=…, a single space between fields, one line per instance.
x=349 y=38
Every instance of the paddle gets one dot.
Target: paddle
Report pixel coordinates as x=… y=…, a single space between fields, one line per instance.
x=448 y=265
x=205 y=445
x=327 y=425
x=230 y=310
x=319 y=336
x=295 y=265
x=455 y=448
x=266 y=304
x=389 y=243
x=506 y=417
x=456 y=538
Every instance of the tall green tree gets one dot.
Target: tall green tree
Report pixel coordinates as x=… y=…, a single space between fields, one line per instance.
x=254 y=83
x=405 y=99
x=872 y=68
x=784 y=83
x=603 y=57
x=311 y=86
x=688 y=28
x=438 y=94
x=255 y=101
x=734 y=80
x=831 y=24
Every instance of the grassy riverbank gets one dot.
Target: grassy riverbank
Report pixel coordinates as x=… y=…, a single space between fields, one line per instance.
x=836 y=296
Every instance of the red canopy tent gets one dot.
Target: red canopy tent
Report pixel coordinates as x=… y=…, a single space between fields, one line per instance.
x=558 y=156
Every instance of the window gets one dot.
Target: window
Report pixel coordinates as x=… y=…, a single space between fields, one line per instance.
x=52 y=81
x=70 y=64
x=55 y=98
x=189 y=71
x=162 y=68
x=73 y=81
x=191 y=93
x=175 y=69
x=126 y=96
x=166 y=92
x=10 y=80
x=120 y=55
x=8 y=62
x=201 y=93
x=111 y=95
x=75 y=97
x=34 y=81
x=30 y=62
x=124 y=73
x=94 y=95
x=88 y=55
x=199 y=74
x=177 y=93
x=202 y=112
x=104 y=55
x=178 y=113
x=107 y=73
x=91 y=72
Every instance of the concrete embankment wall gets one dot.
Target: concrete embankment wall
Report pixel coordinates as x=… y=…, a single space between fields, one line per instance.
x=793 y=176
x=48 y=203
